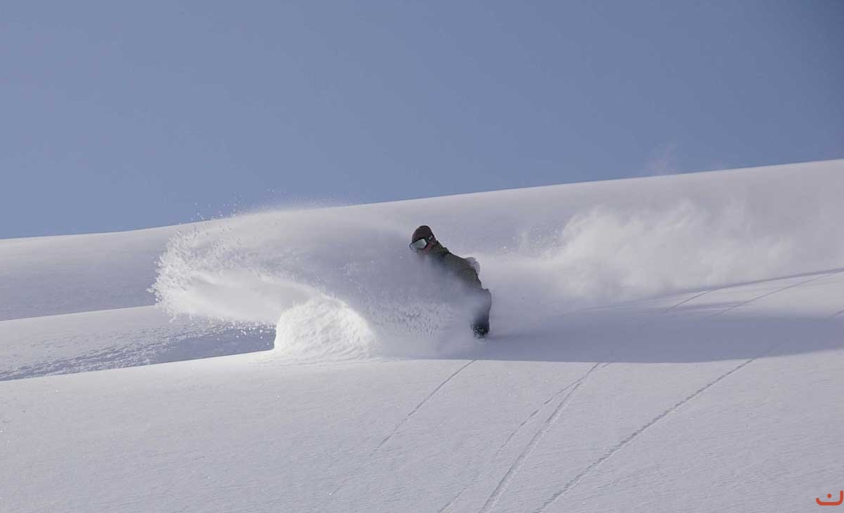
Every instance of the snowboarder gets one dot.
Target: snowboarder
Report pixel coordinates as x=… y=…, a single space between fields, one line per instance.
x=464 y=270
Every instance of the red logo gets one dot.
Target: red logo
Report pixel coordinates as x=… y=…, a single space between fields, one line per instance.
x=832 y=503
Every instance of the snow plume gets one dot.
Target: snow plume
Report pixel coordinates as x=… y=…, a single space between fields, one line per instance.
x=606 y=255
x=340 y=282
x=333 y=284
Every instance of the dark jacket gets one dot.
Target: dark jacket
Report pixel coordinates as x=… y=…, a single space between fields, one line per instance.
x=456 y=266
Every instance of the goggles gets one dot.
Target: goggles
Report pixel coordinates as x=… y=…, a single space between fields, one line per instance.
x=420 y=244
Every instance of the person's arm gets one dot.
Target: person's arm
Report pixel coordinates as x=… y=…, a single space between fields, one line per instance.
x=464 y=271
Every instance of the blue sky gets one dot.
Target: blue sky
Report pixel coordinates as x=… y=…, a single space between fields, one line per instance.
x=118 y=115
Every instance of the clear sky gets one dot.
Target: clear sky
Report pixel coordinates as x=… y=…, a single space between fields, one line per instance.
x=122 y=115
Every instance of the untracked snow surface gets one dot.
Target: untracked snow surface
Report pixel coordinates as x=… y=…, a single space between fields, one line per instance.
x=667 y=344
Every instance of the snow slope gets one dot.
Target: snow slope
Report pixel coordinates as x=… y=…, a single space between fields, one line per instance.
x=659 y=344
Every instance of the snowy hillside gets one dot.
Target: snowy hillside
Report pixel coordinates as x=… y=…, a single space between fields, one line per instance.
x=671 y=343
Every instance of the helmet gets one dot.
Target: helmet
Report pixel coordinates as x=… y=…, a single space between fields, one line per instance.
x=422 y=238
x=423 y=232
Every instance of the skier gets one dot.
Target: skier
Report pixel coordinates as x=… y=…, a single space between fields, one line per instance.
x=424 y=244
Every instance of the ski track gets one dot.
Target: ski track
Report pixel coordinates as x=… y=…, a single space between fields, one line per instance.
x=769 y=294
x=681 y=303
x=571 y=484
x=402 y=423
x=108 y=358
x=545 y=403
x=421 y=404
x=836 y=314
x=516 y=466
x=513 y=434
x=696 y=296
